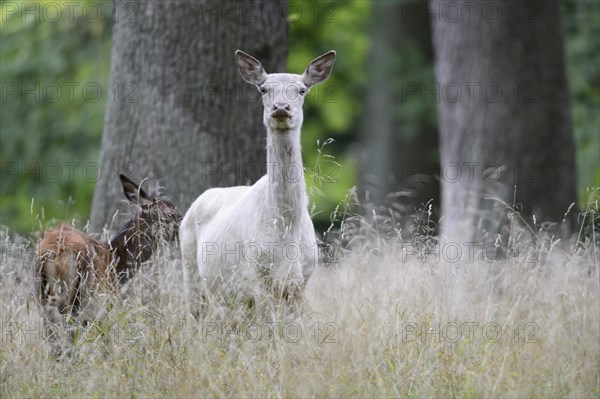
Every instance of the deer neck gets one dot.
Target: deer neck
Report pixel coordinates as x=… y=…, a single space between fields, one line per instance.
x=286 y=193
x=131 y=246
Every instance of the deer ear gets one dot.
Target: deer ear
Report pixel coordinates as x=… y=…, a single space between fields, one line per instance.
x=250 y=68
x=133 y=192
x=319 y=69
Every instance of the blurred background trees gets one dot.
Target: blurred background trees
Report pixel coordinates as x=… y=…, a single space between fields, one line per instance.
x=54 y=78
x=189 y=120
x=56 y=93
x=504 y=117
x=399 y=137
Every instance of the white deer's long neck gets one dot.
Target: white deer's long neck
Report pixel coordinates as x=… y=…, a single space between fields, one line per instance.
x=286 y=196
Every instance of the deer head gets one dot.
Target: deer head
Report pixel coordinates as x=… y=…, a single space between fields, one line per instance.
x=283 y=93
x=156 y=219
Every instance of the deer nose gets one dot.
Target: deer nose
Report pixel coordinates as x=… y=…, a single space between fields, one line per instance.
x=281 y=107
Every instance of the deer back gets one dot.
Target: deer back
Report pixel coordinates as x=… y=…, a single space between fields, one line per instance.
x=69 y=265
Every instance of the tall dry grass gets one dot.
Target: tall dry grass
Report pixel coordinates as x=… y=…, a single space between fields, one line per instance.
x=387 y=318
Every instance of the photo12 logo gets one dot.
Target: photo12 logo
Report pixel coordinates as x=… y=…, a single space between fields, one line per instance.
x=65 y=171
x=68 y=92
x=470 y=92
x=321 y=333
x=56 y=11
x=470 y=332
x=488 y=12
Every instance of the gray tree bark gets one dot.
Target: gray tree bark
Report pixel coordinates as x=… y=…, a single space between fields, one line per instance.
x=178 y=111
x=504 y=116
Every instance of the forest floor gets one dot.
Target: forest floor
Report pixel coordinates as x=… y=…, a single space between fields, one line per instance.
x=384 y=319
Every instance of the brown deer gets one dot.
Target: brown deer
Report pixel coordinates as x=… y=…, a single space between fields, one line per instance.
x=72 y=267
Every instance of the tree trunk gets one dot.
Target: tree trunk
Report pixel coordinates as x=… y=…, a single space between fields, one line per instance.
x=178 y=110
x=504 y=115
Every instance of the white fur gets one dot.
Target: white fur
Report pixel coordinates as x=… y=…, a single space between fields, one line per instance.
x=238 y=238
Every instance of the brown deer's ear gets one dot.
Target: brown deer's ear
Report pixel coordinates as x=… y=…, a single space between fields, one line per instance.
x=133 y=192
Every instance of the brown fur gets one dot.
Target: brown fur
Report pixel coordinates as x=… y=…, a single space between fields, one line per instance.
x=71 y=266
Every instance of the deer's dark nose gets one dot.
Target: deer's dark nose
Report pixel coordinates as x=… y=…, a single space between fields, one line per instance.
x=281 y=107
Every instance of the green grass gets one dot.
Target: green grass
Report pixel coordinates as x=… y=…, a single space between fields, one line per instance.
x=380 y=322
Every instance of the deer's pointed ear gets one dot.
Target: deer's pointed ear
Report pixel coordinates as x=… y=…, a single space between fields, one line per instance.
x=319 y=69
x=250 y=68
x=133 y=192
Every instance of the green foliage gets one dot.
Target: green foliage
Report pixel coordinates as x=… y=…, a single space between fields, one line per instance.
x=50 y=141
x=582 y=31
x=54 y=72
x=333 y=109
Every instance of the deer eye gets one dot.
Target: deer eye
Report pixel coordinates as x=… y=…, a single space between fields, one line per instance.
x=263 y=89
x=302 y=92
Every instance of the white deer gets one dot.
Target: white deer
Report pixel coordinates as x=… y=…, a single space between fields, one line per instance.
x=247 y=241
